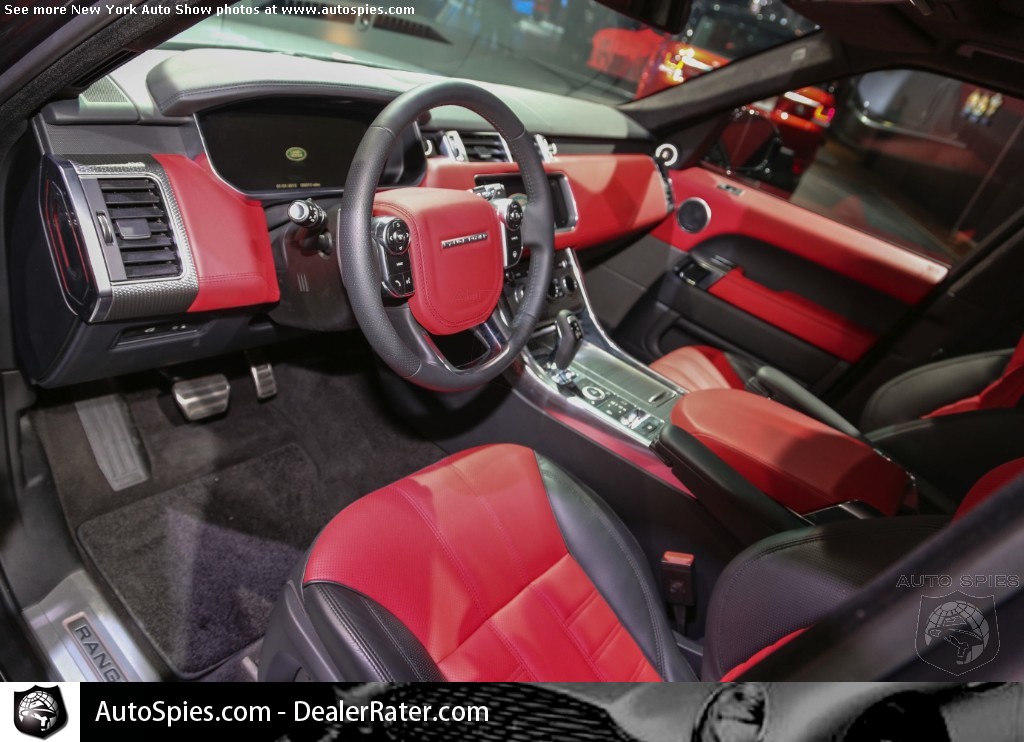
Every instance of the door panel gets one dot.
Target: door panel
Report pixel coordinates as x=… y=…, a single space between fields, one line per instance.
x=744 y=210
x=766 y=277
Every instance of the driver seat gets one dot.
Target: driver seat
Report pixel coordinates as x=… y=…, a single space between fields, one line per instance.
x=495 y=565
x=491 y=565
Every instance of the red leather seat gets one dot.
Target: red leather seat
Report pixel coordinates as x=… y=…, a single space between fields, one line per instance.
x=490 y=565
x=696 y=367
x=495 y=565
x=982 y=381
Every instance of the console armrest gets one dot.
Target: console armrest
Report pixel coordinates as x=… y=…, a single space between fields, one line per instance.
x=781 y=387
x=748 y=513
x=792 y=458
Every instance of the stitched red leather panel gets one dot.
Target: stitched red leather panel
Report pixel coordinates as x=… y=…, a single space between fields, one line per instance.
x=845 y=250
x=796 y=315
x=615 y=195
x=989 y=484
x=796 y=460
x=456 y=287
x=468 y=555
x=696 y=367
x=228 y=236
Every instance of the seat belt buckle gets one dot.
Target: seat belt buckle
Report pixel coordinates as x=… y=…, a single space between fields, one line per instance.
x=677 y=577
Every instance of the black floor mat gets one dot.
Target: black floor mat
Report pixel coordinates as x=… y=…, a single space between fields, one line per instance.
x=225 y=488
x=200 y=566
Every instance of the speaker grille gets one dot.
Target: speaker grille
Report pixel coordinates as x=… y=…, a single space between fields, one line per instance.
x=693 y=215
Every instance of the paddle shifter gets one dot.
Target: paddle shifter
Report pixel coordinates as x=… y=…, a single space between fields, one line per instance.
x=570 y=338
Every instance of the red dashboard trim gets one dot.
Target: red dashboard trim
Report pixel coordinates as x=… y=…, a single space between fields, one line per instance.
x=837 y=247
x=615 y=195
x=228 y=236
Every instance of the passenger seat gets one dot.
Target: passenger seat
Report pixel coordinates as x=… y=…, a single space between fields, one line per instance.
x=982 y=381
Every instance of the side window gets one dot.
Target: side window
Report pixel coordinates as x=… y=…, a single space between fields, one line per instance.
x=926 y=162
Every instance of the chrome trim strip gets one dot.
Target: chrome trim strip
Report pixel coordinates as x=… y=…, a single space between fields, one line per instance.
x=891 y=128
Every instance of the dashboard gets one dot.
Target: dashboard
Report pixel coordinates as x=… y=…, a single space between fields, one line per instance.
x=152 y=219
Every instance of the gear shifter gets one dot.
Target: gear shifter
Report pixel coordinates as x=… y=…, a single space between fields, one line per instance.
x=570 y=338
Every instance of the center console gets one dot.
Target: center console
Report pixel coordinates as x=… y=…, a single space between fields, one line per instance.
x=596 y=381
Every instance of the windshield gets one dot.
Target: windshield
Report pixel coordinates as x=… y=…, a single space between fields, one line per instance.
x=570 y=47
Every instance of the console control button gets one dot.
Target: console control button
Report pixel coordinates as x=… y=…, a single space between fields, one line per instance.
x=594 y=394
x=632 y=418
x=649 y=427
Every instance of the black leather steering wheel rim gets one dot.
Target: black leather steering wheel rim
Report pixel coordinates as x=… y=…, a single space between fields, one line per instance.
x=391 y=333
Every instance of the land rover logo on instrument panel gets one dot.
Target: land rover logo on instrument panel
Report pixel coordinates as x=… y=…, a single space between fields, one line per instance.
x=295 y=154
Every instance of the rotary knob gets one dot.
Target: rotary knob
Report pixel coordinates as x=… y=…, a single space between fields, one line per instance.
x=307 y=214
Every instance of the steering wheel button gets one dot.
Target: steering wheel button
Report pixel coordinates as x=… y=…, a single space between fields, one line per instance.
x=398 y=263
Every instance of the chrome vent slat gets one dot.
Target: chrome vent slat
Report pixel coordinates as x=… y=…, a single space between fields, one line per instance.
x=484 y=146
x=141 y=231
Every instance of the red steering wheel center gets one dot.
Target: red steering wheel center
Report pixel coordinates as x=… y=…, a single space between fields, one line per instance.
x=456 y=254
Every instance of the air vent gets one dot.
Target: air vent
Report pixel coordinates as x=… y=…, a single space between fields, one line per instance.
x=138 y=220
x=482 y=146
x=547 y=150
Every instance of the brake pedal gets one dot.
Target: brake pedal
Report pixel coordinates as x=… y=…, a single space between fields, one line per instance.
x=202 y=398
x=262 y=375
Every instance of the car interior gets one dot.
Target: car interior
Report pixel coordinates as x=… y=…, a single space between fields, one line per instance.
x=371 y=365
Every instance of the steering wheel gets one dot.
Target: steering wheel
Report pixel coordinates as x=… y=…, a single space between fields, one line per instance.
x=452 y=247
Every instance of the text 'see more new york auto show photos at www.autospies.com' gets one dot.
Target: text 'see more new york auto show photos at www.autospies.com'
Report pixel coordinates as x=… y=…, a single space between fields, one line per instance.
x=464 y=369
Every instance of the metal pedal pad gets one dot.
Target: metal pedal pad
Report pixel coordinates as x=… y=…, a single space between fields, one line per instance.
x=262 y=375
x=202 y=398
x=114 y=441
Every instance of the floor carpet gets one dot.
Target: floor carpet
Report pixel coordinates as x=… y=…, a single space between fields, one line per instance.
x=197 y=553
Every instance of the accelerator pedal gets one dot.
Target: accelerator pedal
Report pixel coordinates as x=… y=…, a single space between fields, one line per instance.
x=202 y=398
x=114 y=440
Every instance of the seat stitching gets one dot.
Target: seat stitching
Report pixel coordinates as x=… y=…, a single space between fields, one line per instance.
x=394 y=640
x=364 y=648
x=636 y=670
x=520 y=563
x=606 y=642
x=571 y=618
x=462 y=572
x=487 y=622
x=620 y=543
